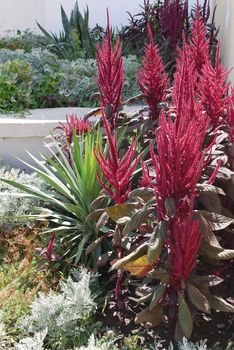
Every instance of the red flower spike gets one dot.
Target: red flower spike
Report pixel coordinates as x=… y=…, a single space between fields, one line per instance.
x=213 y=89
x=172 y=19
x=118 y=173
x=185 y=80
x=152 y=78
x=184 y=245
x=199 y=45
x=110 y=75
x=180 y=159
x=230 y=116
x=74 y=123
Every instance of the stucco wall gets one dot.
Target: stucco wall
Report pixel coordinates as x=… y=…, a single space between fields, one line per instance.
x=225 y=20
x=21 y=14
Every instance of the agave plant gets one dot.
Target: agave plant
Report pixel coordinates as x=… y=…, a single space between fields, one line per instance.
x=74 y=41
x=73 y=186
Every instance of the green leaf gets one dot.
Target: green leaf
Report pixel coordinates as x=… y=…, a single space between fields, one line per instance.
x=152 y=317
x=144 y=192
x=206 y=281
x=66 y=23
x=220 y=304
x=136 y=220
x=170 y=207
x=94 y=245
x=198 y=298
x=156 y=242
x=184 y=316
x=216 y=221
x=210 y=188
x=158 y=293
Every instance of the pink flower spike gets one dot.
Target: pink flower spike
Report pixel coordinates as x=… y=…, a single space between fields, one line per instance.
x=110 y=78
x=213 y=90
x=152 y=78
x=118 y=173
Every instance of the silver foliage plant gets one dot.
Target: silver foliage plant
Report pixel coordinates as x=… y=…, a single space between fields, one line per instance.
x=76 y=78
x=12 y=205
x=64 y=316
x=32 y=343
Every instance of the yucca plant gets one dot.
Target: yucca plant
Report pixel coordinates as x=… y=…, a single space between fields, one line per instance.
x=73 y=185
x=74 y=41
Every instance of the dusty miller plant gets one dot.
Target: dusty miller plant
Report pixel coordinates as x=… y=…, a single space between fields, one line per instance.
x=12 y=204
x=65 y=316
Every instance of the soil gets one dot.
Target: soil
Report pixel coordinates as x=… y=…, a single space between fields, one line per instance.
x=217 y=328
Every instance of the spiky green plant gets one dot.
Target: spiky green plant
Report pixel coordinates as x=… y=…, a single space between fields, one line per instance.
x=74 y=40
x=73 y=186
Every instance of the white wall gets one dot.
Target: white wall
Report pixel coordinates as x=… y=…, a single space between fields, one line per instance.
x=97 y=8
x=22 y=14
x=225 y=20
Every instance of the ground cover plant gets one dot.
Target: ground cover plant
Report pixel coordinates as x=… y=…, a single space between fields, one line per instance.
x=146 y=197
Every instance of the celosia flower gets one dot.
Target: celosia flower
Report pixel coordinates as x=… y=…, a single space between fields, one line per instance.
x=230 y=116
x=110 y=75
x=173 y=17
x=198 y=47
x=179 y=160
x=213 y=89
x=184 y=242
x=117 y=172
x=185 y=80
x=152 y=78
x=74 y=123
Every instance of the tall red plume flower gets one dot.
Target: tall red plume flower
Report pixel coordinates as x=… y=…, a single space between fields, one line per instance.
x=173 y=16
x=117 y=172
x=110 y=75
x=179 y=160
x=198 y=44
x=184 y=243
x=230 y=116
x=185 y=80
x=213 y=90
x=74 y=123
x=152 y=78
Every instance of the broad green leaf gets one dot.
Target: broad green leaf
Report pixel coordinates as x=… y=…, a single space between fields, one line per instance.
x=210 y=188
x=153 y=317
x=156 y=242
x=136 y=220
x=198 y=298
x=220 y=304
x=158 y=293
x=216 y=221
x=207 y=281
x=184 y=316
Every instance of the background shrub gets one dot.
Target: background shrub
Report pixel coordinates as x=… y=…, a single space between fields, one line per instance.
x=38 y=79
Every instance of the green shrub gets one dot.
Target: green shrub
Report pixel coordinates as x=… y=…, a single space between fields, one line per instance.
x=55 y=83
x=15 y=86
x=25 y=40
